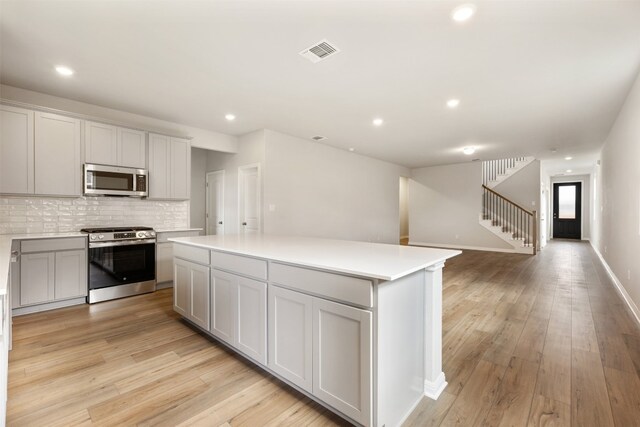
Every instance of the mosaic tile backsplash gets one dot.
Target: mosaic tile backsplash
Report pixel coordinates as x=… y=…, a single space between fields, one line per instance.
x=53 y=215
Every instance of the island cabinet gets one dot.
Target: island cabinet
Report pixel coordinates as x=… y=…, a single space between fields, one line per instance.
x=355 y=326
x=191 y=285
x=164 y=255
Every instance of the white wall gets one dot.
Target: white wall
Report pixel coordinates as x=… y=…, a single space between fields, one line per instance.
x=523 y=187
x=317 y=190
x=198 y=188
x=618 y=197
x=200 y=137
x=586 y=200
x=444 y=207
x=251 y=149
x=404 y=207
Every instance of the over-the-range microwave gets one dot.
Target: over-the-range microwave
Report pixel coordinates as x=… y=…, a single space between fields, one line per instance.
x=115 y=181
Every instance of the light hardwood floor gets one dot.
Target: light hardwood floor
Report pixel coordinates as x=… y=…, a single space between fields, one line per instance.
x=542 y=340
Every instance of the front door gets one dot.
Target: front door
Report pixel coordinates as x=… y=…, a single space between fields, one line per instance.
x=215 y=202
x=567 y=210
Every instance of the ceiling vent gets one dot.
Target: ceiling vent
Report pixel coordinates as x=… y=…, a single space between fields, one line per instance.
x=318 y=138
x=319 y=51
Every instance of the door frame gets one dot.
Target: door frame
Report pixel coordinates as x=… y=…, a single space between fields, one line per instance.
x=565 y=181
x=208 y=195
x=241 y=170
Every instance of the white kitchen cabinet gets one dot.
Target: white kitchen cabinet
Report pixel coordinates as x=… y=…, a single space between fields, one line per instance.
x=164 y=255
x=342 y=367
x=49 y=275
x=112 y=145
x=291 y=336
x=16 y=150
x=239 y=313
x=191 y=291
x=169 y=167
x=58 y=169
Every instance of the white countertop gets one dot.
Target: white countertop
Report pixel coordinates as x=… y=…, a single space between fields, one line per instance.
x=373 y=260
x=173 y=230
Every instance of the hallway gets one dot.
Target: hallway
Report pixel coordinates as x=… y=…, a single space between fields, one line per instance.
x=543 y=340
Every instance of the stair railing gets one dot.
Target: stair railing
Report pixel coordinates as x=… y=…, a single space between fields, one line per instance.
x=492 y=168
x=521 y=223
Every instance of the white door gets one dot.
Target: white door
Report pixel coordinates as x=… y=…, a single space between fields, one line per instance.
x=223 y=288
x=249 y=198
x=251 y=319
x=100 y=143
x=181 y=287
x=199 y=290
x=70 y=274
x=291 y=335
x=16 y=150
x=132 y=151
x=215 y=202
x=342 y=358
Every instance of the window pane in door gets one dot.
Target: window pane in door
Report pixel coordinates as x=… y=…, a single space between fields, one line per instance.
x=567 y=202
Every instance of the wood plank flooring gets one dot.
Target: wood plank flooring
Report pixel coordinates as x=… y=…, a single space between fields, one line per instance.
x=535 y=341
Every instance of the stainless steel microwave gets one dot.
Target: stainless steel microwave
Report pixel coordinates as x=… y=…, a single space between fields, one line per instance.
x=115 y=181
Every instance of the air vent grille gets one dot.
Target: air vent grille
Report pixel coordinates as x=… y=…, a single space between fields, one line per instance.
x=320 y=51
x=318 y=138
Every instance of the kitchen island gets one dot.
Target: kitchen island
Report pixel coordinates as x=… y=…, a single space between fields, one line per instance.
x=356 y=326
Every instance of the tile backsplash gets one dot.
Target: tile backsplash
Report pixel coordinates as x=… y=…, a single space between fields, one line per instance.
x=52 y=215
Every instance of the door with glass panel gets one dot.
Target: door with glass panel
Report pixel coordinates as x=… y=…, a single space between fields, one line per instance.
x=567 y=209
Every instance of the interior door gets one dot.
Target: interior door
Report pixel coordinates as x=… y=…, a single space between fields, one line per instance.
x=249 y=198
x=215 y=202
x=567 y=210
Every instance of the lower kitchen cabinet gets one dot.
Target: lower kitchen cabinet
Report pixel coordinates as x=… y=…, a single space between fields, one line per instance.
x=239 y=313
x=291 y=336
x=164 y=255
x=52 y=275
x=191 y=291
x=342 y=366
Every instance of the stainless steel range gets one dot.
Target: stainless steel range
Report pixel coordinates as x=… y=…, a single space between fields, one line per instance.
x=122 y=262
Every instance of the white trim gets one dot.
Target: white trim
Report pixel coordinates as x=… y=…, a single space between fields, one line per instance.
x=433 y=389
x=19 y=311
x=471 y=248
x=623 y=292
x=207 y=214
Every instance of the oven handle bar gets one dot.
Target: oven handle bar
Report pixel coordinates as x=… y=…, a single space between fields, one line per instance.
x=121 y=243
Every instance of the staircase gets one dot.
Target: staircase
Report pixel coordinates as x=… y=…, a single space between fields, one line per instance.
x=509 y=221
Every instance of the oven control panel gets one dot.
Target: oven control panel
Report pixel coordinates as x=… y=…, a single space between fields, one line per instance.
x=124 y=235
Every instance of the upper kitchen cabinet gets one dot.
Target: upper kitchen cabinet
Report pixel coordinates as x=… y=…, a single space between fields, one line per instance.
x=169 y=167
x=58 y=168
x=111 y=145
x=16 y=150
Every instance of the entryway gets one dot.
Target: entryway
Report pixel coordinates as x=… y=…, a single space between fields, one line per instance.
x=567 y=210
x=215 y=203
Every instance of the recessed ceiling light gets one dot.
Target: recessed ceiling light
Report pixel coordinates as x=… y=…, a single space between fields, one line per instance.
x=378 y=122
x=352 y=149
x=230 y=117
x=64 y=71
x=469 y=150
x=463 y=12
x=569 y=171
x=568 y=158
x=453 y=103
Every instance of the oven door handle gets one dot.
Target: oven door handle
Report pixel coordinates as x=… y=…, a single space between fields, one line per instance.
x=121 y=243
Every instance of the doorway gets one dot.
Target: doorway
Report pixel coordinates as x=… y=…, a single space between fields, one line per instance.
x=567 y=210
x=215 y=203
x=404 y=210
x=249 y=200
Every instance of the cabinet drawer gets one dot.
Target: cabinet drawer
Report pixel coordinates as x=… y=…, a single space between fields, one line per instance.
x=335 y=286
x=191 y=253
x=47 y=245
x=240 y=264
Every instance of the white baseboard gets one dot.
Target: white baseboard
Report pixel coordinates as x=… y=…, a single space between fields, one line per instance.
x=433 y=389
x=623 y=292
x=470 y=248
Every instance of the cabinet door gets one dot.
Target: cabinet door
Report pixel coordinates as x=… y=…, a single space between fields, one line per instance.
x=100 y=144
x=291 y=336
x=223 y=286
x=70 y=274
x=36 y=278
x=132 y=148
x=180 y=176
x=58 y=170
x=16 y=150
x=181 y=286
x=164 y=262
x=342 y=358
x=251 y=319
x=158 y=166
x=199 y=290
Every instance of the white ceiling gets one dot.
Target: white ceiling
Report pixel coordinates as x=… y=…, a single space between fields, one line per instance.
x=531 y=75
